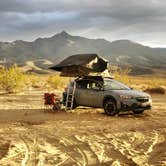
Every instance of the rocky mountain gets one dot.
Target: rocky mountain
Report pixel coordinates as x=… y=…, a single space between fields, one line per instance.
x=61 y=45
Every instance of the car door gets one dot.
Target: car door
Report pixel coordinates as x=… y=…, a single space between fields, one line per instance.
x=89 y=95
x=81 y=94
x=95 y=94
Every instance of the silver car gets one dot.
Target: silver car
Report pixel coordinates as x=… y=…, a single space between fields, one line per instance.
x=107 y=93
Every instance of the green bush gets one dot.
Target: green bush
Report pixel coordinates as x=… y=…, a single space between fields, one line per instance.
x=12 y=79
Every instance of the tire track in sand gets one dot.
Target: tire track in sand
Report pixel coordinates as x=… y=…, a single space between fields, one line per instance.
x=31 y=151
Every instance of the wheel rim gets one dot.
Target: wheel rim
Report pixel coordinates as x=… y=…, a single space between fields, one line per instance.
x=110 y=108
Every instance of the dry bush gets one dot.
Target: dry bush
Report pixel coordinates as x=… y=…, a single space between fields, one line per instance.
x=121 y=74
x=35 y=81
x=158 y=90
x=147 y=82
x=12 y=79
x=57 y=81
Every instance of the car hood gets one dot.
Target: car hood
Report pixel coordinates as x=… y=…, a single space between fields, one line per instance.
x=133 y=93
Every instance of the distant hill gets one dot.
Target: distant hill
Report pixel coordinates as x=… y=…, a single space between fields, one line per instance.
x=61 y=45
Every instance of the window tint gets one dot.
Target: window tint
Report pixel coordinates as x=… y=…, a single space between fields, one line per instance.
x=89 y=84
x=82 y=84
x=94 y=85
x=114 y=85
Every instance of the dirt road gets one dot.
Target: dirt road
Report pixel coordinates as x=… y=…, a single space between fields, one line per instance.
x=86 y=137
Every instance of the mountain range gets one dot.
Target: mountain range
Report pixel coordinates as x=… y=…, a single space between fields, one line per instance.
x=120 y=52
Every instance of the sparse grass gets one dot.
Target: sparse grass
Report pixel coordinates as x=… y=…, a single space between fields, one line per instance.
x=121 y=75
x=36 y=81
x=57 y=82
x=13 y=80
x=147 y=82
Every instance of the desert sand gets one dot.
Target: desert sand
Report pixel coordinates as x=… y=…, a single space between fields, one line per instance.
x=31 y=137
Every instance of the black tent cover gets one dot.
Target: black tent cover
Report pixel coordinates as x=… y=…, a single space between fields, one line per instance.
x=81 y=64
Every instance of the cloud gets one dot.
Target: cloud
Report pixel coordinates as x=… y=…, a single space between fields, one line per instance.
x=143 y=21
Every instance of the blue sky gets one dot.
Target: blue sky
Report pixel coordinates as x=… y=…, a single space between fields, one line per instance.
x=141 y=21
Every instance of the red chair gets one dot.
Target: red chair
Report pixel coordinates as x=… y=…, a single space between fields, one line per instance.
x=51 y=101
x=49 y=98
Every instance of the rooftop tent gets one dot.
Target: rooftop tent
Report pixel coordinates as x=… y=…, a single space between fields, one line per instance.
x=81 y=64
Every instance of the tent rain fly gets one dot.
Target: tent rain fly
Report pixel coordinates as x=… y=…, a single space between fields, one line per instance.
x=81 y=65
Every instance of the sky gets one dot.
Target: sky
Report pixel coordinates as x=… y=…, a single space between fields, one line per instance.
x=142 y=21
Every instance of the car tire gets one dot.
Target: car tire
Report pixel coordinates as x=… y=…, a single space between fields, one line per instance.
x=138 y=111
x=110 y=107
x=74 y=104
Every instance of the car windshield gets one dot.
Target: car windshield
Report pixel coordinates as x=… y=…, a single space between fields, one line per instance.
x=110 y=84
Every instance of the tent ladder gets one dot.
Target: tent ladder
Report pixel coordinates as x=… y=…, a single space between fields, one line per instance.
x=70 y=97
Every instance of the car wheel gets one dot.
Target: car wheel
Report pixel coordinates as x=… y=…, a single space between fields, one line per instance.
x=74 y=104
x=138 y=111
x=110 y=107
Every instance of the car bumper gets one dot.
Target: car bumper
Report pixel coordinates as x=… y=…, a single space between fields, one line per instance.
x=135 y=106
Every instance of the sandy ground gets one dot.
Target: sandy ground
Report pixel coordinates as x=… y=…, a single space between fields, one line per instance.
x=28 y=136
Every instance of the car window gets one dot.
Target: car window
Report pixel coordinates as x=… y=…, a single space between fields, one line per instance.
x=88 y=84
x=81 y=84
x=110 y=84
x=93 y=85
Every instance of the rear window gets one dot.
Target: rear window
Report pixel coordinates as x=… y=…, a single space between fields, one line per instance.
x=89 y=84
x=82 y=84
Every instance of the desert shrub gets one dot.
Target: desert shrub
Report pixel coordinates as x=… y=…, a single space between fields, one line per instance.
x=12 y=79
x=147 y=82
x=35 y=81
x=121 y=74
x=158 y=90
x=57 y=81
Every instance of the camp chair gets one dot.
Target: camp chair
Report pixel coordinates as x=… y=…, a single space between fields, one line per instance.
x=51 y=101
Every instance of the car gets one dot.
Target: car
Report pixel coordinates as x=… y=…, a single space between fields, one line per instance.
x=107 y=93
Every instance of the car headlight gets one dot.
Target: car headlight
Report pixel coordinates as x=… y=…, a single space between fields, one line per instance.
x=150 y=99
x=124 y=97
